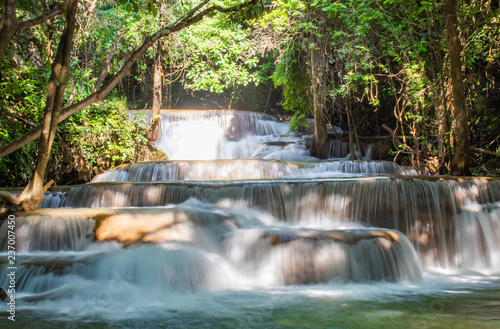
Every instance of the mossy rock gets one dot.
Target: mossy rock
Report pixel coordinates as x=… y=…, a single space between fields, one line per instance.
x=151 y=153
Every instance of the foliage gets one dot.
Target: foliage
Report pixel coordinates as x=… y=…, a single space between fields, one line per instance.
x=116 y=28
x=385 y=59
x=215 y=56
x=135 y=5
x=21 y=107
x=103 y=136
x=295 y=81
x=481 y=29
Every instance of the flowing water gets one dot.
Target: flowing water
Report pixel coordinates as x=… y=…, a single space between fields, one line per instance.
x=242 y=228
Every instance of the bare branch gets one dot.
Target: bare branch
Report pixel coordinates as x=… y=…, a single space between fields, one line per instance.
x=398 y=142
x=8 y=197
x=6 y=113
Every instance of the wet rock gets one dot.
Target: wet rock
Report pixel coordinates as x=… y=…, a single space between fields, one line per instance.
x=132 y=227
x=152 y=153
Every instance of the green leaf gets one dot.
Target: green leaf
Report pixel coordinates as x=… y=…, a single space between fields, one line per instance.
x=136 y=6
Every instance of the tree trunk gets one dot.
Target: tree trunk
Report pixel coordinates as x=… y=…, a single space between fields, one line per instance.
x=351 y=131
x=355 y=130
x=461 y=156
x=153 y=130
x=440 y=104
x=32 y=196
x=107 y=65
x=8 y=25
x=358 y=144
x=439 y=94
x=319 y=146
x=152 y=133
x=168 y=87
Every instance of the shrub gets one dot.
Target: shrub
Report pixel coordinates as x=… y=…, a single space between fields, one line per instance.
x=104 y=135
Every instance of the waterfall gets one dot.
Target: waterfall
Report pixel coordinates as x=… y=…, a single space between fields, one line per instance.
x=477 y=234
x=309 y=256
x=424 y=210
x=199 y=170
x=203 y=135
x=241 y=216
x=241 y=169
x=166 y=267
x=50 y=233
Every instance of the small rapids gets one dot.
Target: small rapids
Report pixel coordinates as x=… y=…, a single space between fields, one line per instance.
x=244 y=169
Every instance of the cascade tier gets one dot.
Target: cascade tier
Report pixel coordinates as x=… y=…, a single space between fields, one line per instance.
x=242 y=226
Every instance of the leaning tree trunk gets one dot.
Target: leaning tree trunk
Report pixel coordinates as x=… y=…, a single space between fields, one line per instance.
x=319 y=147
x=461 y=156
x=32 y=196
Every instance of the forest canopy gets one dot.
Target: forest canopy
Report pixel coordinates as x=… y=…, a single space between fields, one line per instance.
x=420 y=79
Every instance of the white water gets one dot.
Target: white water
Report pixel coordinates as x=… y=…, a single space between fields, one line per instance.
x=245 y=169
x=207 y=135
x=257 y=242
x=204 y=135
x=50 y=233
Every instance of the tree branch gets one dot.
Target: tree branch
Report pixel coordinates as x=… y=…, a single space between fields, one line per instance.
x=59 y=9
x=6 y=113
x=126 y=69
x=107 y=64
x=397 y=142
x=481 y=150
x=8 y=197
x=191 y=12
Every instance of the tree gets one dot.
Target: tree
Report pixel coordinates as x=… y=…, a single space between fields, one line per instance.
x=358 y=64
x=153 y=130
x=33 y=194
x=381 y=58
x=9 y=25
x=461 y=155
x=191 y=17
x=324 y=40
x=318 y=68
x=295 y=31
